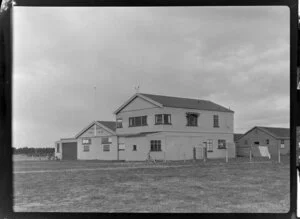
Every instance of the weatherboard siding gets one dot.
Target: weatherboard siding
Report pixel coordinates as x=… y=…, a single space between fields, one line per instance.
x=178 y=121
x=138 y=104
x=176 y=146
x=96 y=150
x=256 y=134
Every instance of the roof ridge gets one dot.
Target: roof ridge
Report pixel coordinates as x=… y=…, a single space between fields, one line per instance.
x=176 y=97
x=272 y=127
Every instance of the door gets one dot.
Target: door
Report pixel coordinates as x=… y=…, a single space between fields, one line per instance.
x=199 y=153
x=121 y=151
x=69 y=151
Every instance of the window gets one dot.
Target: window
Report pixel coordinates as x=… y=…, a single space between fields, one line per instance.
x=119 y=123
x=216 y=121
x=57 y=148
x=134 y=147
x=267 y=141
x=246 y=142
x=155 y=145
x=86 y=141
x=210 y=145
x=106 y=140
x=106 y=147
x=137 y=121
x=192 y=119
x=121 y=147
x=86 y=148
x=162 y=119
x=281 y=143
x=221 y=144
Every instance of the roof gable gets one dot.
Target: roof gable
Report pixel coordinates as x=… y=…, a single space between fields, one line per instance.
x=133 y=98
x=187 y=103
x=107 y=126
x=278 y=133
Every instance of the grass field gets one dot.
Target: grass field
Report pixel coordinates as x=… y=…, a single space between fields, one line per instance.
x=93 y=186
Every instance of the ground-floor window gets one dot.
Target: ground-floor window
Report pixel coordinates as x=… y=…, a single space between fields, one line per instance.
x=209 y=145
x=221 y=144
x=282 y=144
x=134 y=147
x=155 y=145
x=106 y=147
x=121 y=147
x=86 y=148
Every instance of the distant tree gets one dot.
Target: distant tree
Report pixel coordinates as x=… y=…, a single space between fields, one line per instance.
x=5 y=5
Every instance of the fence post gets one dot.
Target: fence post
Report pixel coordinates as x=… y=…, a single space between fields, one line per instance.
x=278 y=154
x=194 y=153
x=226 y=155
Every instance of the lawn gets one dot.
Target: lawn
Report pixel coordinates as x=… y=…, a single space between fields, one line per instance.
x=93 y=186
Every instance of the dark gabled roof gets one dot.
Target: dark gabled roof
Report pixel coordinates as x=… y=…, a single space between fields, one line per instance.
x=109 y=124
x=277 y=132
x=179 y=102
x=237 y=136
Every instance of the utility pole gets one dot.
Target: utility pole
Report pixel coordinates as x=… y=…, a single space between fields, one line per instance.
x=95 y=89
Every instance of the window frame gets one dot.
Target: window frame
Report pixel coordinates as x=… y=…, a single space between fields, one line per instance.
x=155 y=146
x=216 y=121
x=86 y=139
x=133 y=121
x=282 y=144
x=221 y=141
x=109 y=140
x=104 y=146
x=86 y=148
x=210 y=145
x=118 y=123
x=192 y=115
x=163 y=119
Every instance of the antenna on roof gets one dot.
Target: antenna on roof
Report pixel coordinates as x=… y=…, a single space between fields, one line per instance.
x=137 y=89
x=95 y=102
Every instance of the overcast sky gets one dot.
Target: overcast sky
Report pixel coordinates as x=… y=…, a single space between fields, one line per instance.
x=237 y=57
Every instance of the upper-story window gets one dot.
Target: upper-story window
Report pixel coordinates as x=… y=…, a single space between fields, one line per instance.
x=137 y=121
x=119 y=123
x=216 y=121
x=162 y=119
x=106 y=140
x=267 y=141
x=192 y=119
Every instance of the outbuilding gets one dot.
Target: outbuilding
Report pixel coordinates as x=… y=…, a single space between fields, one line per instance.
x=97 y=141
x=276 y=139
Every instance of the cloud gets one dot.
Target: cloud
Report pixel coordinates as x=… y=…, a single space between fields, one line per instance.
x=235 y=56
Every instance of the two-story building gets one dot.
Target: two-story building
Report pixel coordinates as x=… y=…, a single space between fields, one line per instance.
x=162 y=127
x=168 y=128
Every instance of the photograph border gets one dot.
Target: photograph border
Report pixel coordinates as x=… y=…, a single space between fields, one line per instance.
x=6 y=33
